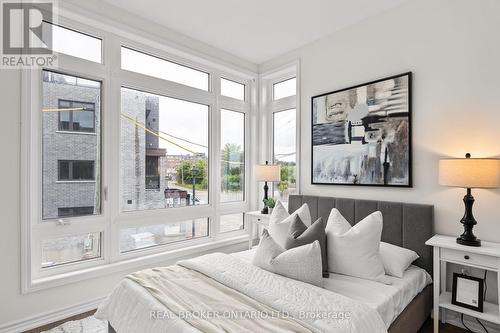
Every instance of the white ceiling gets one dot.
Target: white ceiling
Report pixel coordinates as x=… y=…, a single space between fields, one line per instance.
x=256 y=30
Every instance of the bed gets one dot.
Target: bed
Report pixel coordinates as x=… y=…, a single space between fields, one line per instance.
x=402 y=306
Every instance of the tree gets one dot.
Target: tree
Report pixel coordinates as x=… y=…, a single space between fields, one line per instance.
x=232 y=163
x=185 y=173
x=287 y=176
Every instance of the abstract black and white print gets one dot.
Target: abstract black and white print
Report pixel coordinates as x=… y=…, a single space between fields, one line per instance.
x=362 y=135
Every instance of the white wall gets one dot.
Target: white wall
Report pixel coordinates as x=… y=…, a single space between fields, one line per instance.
x=13 y=305
x=453 y=49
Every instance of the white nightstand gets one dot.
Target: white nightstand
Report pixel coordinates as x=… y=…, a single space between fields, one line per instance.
x=485 y=257
x=253 y=220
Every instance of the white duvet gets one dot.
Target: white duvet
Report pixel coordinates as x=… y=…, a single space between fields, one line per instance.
x=388 y=299
x=325 y=310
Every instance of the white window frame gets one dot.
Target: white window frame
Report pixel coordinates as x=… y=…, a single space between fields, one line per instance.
x=112 y=219
x=269 y=107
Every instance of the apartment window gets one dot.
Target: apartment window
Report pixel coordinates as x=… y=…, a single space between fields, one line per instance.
x=70 y=249
x=285 y=153
x=232 y=155
x=284 y=88
x=76 y=170
x=149 y=236
x=179 y=139
x=232 y=89
x=152 y=172
x=231 y=222
x=146 y=64
x=75 y=211
x=79 y=117
x=70 y=157
x=74 y=43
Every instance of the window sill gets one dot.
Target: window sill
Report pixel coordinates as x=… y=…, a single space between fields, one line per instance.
x=169 y=258
x=74 y=181
x=77 y=133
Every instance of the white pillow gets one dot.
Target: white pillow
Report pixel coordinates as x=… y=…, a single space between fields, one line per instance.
x=301 y=263
x=280 y=221
x=354 y=250
x=395 y=259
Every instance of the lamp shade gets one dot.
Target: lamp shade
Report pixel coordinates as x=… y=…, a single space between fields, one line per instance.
x=268 y=173
x=470 y=172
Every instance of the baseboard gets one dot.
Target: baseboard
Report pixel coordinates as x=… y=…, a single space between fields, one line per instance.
x=453 y=318
x=50 y=317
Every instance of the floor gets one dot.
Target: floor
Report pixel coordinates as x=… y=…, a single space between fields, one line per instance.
x=426 y=328
x=57 y=323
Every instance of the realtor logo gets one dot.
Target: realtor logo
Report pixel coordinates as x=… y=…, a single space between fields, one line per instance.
x=27 y=34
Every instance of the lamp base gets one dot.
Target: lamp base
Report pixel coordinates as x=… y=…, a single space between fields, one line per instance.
x=468 y=221
x=469 y=242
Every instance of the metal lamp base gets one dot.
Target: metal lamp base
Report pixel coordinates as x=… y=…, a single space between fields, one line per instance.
x=469 y=242
x=468 y=221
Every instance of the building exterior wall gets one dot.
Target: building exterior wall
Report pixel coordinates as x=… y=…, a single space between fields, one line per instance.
x=67 y=145
x=134 y=144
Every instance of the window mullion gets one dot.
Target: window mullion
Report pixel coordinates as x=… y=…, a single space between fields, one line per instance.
x=112 y=120
x=216 y=158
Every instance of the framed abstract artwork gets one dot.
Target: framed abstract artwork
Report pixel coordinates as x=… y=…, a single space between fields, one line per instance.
x=361 y=135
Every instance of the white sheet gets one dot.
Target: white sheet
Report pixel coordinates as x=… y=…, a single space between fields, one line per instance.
x=388 y=300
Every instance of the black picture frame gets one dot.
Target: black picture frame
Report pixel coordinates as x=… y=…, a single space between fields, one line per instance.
x=409 y=183
x=480 y=296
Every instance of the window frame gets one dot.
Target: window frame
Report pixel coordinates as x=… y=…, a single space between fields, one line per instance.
x=110 y=220
x=71 y=113
x=270 y=106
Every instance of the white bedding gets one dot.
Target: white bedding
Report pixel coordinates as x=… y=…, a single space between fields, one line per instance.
x=129 y=307
x=388 y=300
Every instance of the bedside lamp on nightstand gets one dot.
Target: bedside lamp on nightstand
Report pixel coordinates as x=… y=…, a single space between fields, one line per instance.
x=469 y=173
x=267 y=173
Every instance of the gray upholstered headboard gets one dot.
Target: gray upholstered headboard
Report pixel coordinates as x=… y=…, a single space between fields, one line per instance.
x=406 y=225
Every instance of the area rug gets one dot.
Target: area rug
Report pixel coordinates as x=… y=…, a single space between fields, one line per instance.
x=86 y=325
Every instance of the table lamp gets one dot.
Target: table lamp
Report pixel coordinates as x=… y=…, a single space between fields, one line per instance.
x=469 y=173
x=267 y=173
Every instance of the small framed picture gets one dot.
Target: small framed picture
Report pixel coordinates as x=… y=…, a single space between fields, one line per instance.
x=468 y=292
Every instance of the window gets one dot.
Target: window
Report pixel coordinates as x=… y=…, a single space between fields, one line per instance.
x=70 y=249
x=232 y=89
x=285 y=154
x=152 y=172
x=232 y=155
x=139 y=157
x=280 y=103
x=146 y=64
x=284 y=89
x=161 y=234
x=231 y=222
x=76 y=170
x=75 y=211
x=176 y=132
x=74 y=43
x=69 y=156
x=80 y=116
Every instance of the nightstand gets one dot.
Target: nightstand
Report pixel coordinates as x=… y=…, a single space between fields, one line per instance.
x=446 y=250
x=253 y=220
